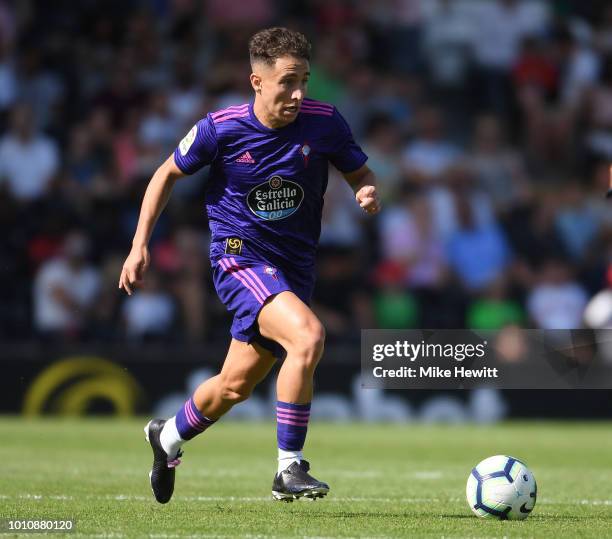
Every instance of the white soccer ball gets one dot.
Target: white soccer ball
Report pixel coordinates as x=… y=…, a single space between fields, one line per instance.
x=501 y=487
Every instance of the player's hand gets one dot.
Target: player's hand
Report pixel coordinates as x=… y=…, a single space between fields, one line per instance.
x=367 y=198
x=134 y=268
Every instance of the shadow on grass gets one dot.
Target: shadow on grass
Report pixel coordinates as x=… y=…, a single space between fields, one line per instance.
x=411 y=514
x=569 y=518
x=327 y=514
x=535 y=518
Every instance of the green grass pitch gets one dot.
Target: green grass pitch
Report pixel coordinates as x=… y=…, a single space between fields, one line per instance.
x=386 y=480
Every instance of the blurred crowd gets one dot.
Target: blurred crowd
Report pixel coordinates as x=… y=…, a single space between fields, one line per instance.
x=487 y=122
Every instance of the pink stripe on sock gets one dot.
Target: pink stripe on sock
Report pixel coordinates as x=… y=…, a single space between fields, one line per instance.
x=301 y=412
x=203 y=422
x=191 y=417
x=296 y=418
x=295 y=423
x=292 y=414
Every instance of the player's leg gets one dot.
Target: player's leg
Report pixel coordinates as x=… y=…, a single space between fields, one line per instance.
x=244 y=367
x=287 y=320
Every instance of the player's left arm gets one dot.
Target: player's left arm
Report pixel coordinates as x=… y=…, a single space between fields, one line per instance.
x=363 y=184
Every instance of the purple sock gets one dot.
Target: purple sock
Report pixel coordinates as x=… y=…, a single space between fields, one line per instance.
x=190 y=422
x=291 y=425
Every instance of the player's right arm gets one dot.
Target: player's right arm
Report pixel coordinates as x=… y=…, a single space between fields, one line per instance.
x=197 y=149
x=155 y=200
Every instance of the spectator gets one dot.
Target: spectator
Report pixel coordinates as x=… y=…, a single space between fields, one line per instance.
x=340 y=225
x=186 y=97
x=534 y=71
x=382 y=143
x=393 y=305
x=338 y=301
x=499 y=170
x=597 y=109
x=413 y=248
x=578 y=64
x=603 y=38
x=577 y=221
x=447 y=44
x=8 y=79
x=477 y=253
x=159 y=129
x=536 y=81
x=184 y=260
x=41 y=87
x=149 y=313
x=557 y=301
x=122 y=94
x=409 y=240
x=494 y=310
x=28 y=160
x=501 y=27
x=532 y=232
x=65 y=291
x=430 y=154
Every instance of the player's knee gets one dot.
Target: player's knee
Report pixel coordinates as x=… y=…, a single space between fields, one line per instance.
x=308 y=343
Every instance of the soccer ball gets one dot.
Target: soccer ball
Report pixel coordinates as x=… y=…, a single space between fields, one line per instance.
x=501 y=487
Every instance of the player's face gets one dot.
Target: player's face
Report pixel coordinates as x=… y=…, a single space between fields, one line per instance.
x=281 y=88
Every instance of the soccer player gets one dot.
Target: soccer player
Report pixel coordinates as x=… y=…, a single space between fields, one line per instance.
x=269 y=166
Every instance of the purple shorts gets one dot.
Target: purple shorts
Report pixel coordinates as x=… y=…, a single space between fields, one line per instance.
x=243 y=284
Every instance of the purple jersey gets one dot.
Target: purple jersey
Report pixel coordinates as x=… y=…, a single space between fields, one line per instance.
x=266 y=185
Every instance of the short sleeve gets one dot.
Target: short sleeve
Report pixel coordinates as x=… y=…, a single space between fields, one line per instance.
x=198 y=148
x=345 y=154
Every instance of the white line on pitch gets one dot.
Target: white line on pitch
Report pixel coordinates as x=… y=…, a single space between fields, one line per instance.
x=354 y=499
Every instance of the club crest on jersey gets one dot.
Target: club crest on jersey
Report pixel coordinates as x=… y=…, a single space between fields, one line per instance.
x=305 y=152
x=269 y=270
x=275 y=199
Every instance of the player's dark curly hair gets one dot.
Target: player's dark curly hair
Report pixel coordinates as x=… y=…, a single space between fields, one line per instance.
x=272 y=43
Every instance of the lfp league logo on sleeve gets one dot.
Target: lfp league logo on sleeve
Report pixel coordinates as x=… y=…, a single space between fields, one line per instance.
x=188 y=140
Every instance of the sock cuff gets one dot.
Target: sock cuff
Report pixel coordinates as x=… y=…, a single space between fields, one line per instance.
x=291 y=425
x=293 y=407
x=283 y=454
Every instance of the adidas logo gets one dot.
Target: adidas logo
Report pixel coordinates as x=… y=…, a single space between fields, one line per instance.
x=245 y=158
